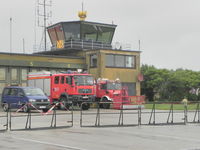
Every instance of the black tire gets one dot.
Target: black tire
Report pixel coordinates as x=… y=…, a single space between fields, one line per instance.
x=5 y=107
x=64 y=105
x=105 y=105
x=45 y=110
x=85 y=106
x=26 y=109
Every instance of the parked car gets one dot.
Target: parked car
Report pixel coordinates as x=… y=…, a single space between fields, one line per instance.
x=22 y=97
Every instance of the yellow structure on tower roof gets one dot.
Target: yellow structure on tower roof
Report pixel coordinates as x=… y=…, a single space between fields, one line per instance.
x=82 y=14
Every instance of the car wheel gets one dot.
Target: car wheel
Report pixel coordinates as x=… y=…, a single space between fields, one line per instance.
x=5 y=107
x=26 y=109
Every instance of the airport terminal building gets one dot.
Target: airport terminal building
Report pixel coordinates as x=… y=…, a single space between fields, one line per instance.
x=76 y=45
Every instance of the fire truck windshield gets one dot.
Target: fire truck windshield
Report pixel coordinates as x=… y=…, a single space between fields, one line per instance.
x=114 y=86
x=83 y=80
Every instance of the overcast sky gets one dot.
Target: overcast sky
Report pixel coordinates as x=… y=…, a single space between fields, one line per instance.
x=169 y=30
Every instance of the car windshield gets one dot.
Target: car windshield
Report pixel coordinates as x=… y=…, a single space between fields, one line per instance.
x=83 y=80
x=114 y=86
x=33 y=92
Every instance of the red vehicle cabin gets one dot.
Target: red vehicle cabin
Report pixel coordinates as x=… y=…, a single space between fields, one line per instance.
x=68 y=88
x=109 y=91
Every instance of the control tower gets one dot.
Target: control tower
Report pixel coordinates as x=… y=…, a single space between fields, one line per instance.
x=81 y=35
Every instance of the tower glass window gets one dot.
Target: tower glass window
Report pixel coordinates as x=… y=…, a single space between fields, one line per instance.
x=97 y=33
x=71 y=31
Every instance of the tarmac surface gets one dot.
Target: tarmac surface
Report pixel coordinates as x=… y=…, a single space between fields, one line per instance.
x=144 y=137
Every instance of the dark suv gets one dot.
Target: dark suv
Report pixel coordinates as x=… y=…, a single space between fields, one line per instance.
x=26 y=98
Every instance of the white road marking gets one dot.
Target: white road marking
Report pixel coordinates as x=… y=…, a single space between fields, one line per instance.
x=47 y=143
x=168 y=136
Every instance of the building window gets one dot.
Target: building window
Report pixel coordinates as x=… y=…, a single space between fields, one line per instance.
x=2 y=74
x=13 y=74
x=130 y=62
x=120 y=61
x=24 y=74
x=24 y=84
x=110 y=60
x=2 y=85
x=93 y=60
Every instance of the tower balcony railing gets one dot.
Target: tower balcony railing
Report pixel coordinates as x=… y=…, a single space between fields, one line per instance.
x=83 y=44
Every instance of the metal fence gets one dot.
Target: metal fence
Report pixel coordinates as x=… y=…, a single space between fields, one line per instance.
x=36 y=119
x=136 y=115
x=168 y=113
x=4 y=121
x=99 y=117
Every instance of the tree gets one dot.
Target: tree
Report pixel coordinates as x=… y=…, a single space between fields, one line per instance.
x=169 y=84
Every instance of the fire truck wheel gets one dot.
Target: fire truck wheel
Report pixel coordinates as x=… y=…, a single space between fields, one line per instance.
x=64 y=105
x=85 y=106
x=105 y=105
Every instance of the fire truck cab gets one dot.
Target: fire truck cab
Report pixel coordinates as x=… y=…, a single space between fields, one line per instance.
x=68 y=88
x=109 y=91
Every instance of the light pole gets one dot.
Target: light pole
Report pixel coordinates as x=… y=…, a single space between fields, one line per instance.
x=10 y=34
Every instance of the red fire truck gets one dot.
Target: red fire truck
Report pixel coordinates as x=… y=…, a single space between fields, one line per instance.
x=68 y=88
x=111 y=92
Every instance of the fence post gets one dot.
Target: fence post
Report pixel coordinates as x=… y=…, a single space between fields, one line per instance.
x=7 y=115
x=185 y=114
x=170 y=114
x=153 y=114
x=28 y=121
x=72 y=115
x=53 y=118
x=81 y=115
x=97 y=123
x=198 y=113
x=10 y=118
x=139 y=115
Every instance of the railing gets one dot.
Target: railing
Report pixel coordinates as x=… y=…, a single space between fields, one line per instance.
x=37 y=119
x=4 y=121
x=140 y=114
x=83 y=44
x=136 y=115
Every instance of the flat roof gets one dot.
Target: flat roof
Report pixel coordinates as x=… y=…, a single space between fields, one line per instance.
x=84 y=22
x=42 y=55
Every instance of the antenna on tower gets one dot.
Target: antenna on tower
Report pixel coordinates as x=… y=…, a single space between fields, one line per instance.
x=82 y=14
x=82 y=6
x=44 y=14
